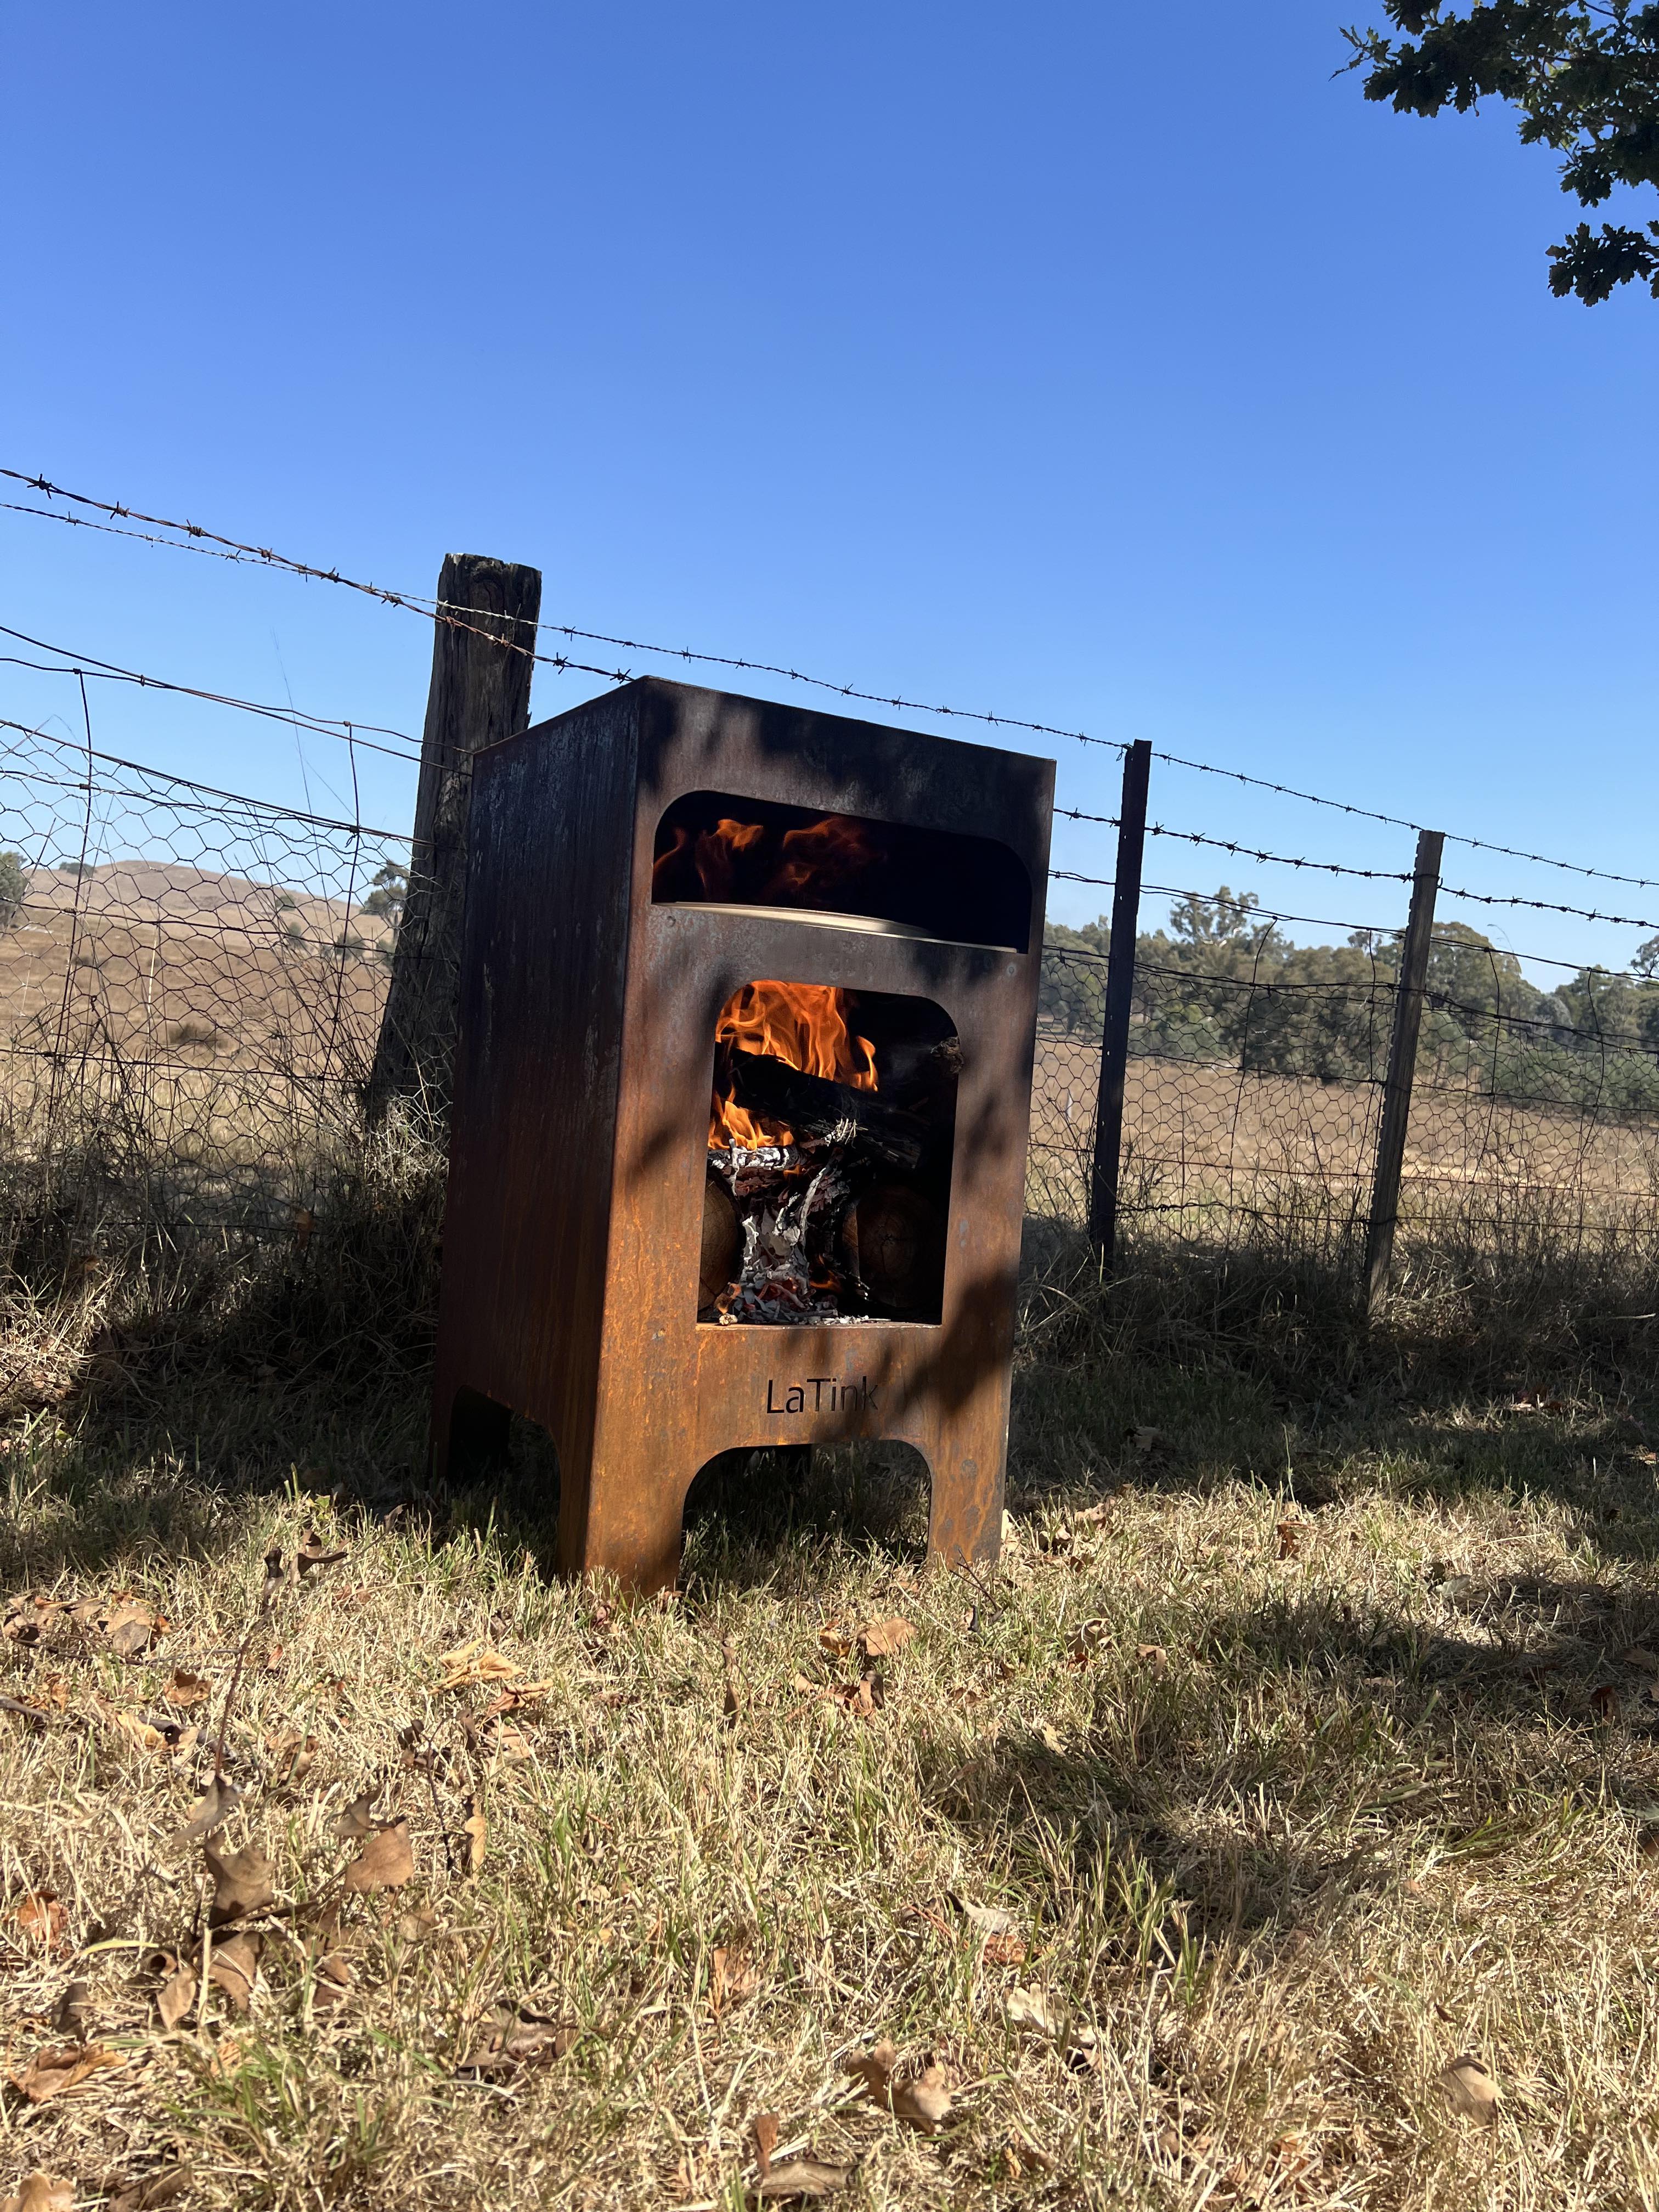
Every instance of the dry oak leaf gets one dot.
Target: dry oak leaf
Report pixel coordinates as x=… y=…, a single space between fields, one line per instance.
x=1469 y=2089
x=175 y=1996
x=211 y=1810
x=1290 y=1539
x=801 y=2178
x=242 y=1883
x=881 y=1639
x=385 y=1862
x=235 y=1963
x=73 y=2009
x=836 y=1641
x=358 y=1819
x=185 y=1689
x=511 y=2041
x=155 y=2191
x=38 y=1916
x=733 y=1978
x=314 y=1555
x=474 y=1662
x=766 y=2140
x=53 y=2073
x=131 y=1629
x=334 y=1983
x=475 y=1829
x=923 y=2103
x=291 y=1755
x=39 y=2192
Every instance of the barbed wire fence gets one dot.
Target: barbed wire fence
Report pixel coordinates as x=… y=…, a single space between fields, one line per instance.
x=192 y=982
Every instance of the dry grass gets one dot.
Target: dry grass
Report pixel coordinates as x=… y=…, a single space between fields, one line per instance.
x=1296 y=1739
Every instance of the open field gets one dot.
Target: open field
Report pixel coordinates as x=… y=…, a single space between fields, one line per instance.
x=1201 y=1139
x=1299 y=1744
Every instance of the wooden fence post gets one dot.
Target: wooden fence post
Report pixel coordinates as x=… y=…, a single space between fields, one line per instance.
x=481 y=670
x=1402 y=1064
x=1119 y=993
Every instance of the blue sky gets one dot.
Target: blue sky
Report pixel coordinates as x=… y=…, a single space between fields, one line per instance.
x=1118 y=367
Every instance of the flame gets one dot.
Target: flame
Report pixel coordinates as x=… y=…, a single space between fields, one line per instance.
x=803 y=1025
x=822 y=856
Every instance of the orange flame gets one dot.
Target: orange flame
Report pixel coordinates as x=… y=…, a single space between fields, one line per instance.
x=803 y=1025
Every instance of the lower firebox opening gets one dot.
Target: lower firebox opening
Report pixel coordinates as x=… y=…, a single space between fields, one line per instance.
x=832 y=1129
x=759 y=1501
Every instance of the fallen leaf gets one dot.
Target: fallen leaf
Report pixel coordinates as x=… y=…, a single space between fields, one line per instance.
x=1290 y=1539
x=1469 y=2089
x=803 y=2178
x=1031 y=2009
x=185 y=1689
x=275 y=1580
x=732 y=1977
x=732 y=1699
x=512 y=2039
x=385 y=1861
x=175 y=1996
x=989 y=1919
x=1145 y=1440
x=924 y=2103
x=135 y=1729
x=334 y=1983
x=1605 y=1699
x=837 y=1640
x=882 y=1639
x=477 y=1831
x=1006 y=1950
x=54 y=2073
x=73 y=2009
x=1086 y=1641
x=358 y=1819
x=211 y=1810
x=39 y=2192
x=242 y=1883
x=1050 y=1735
x=155 y=2191
x=500 y=1739
x=766 y=2140
x=291 y=1755
x=1639 y=1655
x=475 y=1661
x=131 y=1629
x=39 y=1917
x=235 y=1961
x=314 y=1555
x=1154 y=1655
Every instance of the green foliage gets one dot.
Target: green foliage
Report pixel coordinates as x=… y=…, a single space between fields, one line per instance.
x=1219 y=985
x=390 y=894
x=14 y=888
x=1584 y=75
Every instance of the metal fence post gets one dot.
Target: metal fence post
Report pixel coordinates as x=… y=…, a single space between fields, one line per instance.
x=1119 y=993
x=1403 y=1063
x=481 y=670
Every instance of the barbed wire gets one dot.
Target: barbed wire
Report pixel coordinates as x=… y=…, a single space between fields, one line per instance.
x=110 y=671
x=196 y=536
x=1244 y=852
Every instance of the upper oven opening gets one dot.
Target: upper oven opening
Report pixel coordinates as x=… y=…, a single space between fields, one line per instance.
x=714 y=849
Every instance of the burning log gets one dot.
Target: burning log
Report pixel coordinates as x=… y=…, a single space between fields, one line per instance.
x=814 y=1106
x=722 y=1242
x=898 y=1236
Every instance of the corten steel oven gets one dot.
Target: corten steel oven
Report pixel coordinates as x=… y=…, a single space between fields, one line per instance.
x=742 y=1089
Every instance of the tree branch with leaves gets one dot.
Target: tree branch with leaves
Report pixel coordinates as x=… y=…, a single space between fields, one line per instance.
x=1585 y=77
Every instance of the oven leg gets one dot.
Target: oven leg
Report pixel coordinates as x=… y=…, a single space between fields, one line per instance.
x=965 y=1519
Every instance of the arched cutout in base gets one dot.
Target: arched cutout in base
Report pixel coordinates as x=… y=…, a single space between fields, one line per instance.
x=746 y=1507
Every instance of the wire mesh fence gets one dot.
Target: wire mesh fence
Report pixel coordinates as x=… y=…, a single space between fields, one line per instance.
x=190 y=984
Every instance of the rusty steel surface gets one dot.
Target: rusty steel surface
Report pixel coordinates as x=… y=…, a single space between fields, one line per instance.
x=573 y=1226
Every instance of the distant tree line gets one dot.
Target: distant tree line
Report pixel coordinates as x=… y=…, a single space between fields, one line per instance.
x=1219 y=984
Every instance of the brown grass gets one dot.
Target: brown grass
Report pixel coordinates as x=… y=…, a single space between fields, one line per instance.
x=1295 y=1732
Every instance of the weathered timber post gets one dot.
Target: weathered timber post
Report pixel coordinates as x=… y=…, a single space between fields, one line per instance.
x=1403 y=1063
x=481 y=648
x=1119 y=993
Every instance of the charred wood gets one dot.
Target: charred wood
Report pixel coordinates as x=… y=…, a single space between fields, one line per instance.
x=814 y=1106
